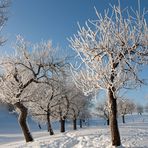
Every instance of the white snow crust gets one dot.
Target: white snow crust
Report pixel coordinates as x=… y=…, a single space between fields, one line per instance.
x=134 y=134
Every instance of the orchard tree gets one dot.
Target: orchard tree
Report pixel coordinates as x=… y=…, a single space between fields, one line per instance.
x=31 y=64
x=74 y=109
x=102 y=110
x=78 y=106
x=45 y=99
x=85 y=114
x=112 y=49
x=4 y=4
x=61 y=111
x=12 y=90
x=125 y=107
x=41 y=105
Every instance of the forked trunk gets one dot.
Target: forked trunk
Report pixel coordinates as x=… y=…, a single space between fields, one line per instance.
x=50 y=130
x=115 y=136
x=80 y=123
x=22 y=121
x=74 y=124
x=62 y=121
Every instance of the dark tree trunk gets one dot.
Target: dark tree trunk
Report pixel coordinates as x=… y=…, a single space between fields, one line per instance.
x=107 y=121
x=50 y=130
x=62 y=121
x=123 y=119
x=115 y=136
x=74 y=124
x=39 y=126
x=80 y=123
x=22 y=121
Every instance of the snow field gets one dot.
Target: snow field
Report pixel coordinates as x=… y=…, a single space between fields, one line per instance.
x=134 y=134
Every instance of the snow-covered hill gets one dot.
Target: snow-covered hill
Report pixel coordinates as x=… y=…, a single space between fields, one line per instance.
x=134 y=134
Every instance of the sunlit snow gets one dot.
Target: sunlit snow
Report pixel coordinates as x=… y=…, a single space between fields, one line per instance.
x=134 y=134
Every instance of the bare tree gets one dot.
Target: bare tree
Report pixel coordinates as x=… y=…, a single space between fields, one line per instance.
x=61 y=111
x=11 y=90
x=45 y=99
x=51 y=99
x=102 y=110
x=74 y=109
x=21 y=71
x=78 y=106
x=125 y=107
x=4 y=4
x=41 y=105
x=112 y=50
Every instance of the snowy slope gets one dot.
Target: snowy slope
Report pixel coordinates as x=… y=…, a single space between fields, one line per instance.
x=134 y=134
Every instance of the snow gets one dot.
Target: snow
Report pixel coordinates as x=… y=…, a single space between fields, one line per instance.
x=134 y=134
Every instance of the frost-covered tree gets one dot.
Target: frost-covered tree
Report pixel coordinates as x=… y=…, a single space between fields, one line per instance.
x=78 y=104
x=61 y=111
x=41 y=105
x=112 y=49
x=84 y=114
x=30 y=65
x=12 y=90
x=74 y=110
x=4 y=4
x=125 y=107
x=102 y=110
x=45 y=99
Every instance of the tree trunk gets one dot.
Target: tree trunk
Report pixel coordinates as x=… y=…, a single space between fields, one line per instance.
x=62 y=121
x=123 y=119
x=49 y=124
x=74 y=124
x=22 y=121
x=39 y=126
x=107 y=121
x=80 y=123
x=115 y=136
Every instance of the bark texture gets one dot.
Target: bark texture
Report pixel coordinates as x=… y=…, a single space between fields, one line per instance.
x=115 y=136
x=123 y=119
x=62 y=121
x=50 y=130
x=74 y=124
x=22 y=121
x=80 y=123
x=107 y=121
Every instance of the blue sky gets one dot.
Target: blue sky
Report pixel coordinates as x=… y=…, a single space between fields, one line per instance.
x=38 y=20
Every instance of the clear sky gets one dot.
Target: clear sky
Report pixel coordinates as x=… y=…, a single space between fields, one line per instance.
x=38 y=20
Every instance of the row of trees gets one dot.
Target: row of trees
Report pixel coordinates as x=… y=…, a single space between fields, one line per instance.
x=141 y=109
x=113 y=50
x=36 y=81
x=124 y=107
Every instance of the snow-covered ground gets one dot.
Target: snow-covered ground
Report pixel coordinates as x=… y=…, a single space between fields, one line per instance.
x=134 y=134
